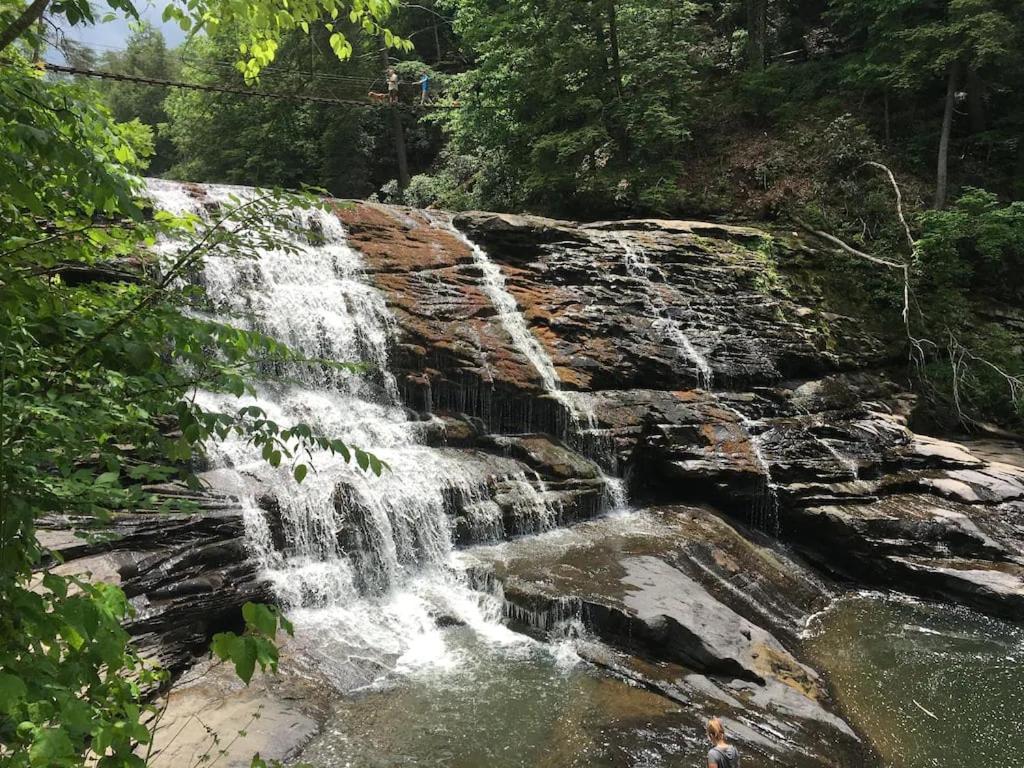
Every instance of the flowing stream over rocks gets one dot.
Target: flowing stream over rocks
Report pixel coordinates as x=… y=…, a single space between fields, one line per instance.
x=362 y=562
x=630 y=464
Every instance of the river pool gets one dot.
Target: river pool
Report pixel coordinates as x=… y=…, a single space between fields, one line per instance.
x=933 y=686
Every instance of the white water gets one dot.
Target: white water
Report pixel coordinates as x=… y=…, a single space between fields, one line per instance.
x=847 y=462
x=640 y=267
x=582 y=419
x=765 y=511
x=366 y=562
x=525 y=342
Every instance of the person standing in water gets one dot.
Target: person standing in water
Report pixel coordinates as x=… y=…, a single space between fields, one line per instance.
x=722 y=754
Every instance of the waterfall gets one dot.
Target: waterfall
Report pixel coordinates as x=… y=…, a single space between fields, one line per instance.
x=764 y=512
x=848 y=463
x=640 y=267
x=365 y=561
x=525 y=342
x=582 y=419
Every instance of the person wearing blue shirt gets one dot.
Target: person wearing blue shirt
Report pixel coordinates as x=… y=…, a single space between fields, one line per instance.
x=424 y=88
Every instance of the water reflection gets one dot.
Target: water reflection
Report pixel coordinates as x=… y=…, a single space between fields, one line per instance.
x=933 y=686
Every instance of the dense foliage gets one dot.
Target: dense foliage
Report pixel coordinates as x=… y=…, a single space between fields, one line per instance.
x=99 y=354
x=236 y=139
x=580 y=104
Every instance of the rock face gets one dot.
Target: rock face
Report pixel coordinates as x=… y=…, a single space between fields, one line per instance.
x=687 y=605
x=186 y=575
x=705 y=378
x=764 y=436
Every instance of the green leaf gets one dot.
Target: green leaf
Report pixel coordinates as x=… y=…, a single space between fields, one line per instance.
x=56 y=584
x=241 y=651
x=261 y=618
x=300 y=472
x=107 y=478
x=12 y=691
x=375 y=465
x=50 y=746
x=244 y=657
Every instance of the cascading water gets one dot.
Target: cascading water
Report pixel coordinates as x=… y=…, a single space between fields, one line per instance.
x=764 y=513
x=365 y=561
x=582 y=421
x=848 y=463
x=640 y=267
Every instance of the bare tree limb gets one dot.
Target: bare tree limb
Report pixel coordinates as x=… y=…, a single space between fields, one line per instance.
x=960 y=357
x=917 y=349
x=899 y=202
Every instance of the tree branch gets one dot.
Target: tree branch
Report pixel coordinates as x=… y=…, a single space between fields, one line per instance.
x=20 y=25
x=899 y=202
x=917 y=350
x=183 y=261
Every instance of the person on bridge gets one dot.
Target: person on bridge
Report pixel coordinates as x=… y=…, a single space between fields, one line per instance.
x=392 y=86
x=424 y=88
x=722 y=754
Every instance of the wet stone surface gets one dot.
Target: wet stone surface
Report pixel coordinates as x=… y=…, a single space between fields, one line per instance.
x=658 y=587
x=522 y=372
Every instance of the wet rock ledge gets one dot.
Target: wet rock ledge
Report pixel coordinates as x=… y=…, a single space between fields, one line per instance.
x=713 y=369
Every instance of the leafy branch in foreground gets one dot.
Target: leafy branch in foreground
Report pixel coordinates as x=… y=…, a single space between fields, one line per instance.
x=103 y=345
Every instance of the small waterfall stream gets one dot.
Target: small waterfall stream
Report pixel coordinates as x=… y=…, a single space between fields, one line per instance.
x=582 y=428
x=640 y=267
x=764 y=513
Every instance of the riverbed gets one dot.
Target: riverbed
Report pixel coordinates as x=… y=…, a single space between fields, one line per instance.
x=519 y=704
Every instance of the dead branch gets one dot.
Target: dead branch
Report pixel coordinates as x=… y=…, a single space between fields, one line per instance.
x=926 y=711
x=904 y=268
x=899 y=202
x=960 y=358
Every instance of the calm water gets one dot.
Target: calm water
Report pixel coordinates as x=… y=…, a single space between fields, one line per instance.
x=519 y=705
x=891 y=658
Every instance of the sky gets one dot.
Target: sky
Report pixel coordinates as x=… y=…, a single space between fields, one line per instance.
x=113 y=35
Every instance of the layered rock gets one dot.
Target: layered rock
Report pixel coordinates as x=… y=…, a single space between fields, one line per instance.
x=692 y=608
x=186 y=575
x=707 y=378
x=684 y=360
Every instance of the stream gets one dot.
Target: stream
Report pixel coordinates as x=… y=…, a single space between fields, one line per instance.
x=890 y=658
x=425 y=671
x=518 y=704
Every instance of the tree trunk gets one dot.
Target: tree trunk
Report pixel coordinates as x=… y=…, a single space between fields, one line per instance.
x=757 y=34
x=888 y=120
x=613 y=40
x=397 y=131
x=942 y=172
x=975 y=100
x=20 y=25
